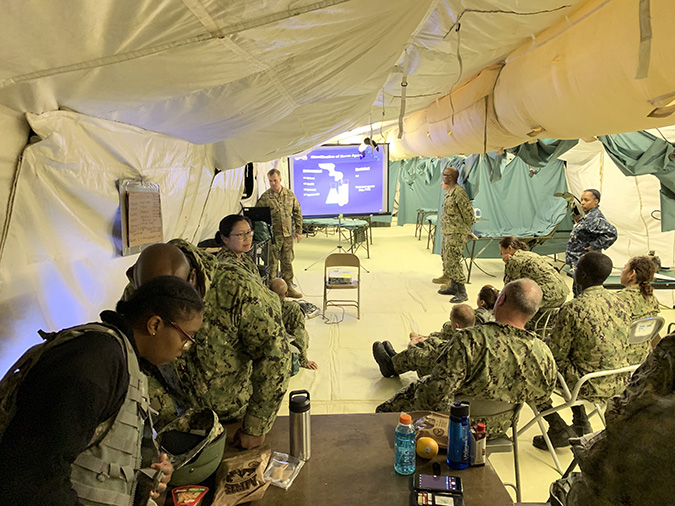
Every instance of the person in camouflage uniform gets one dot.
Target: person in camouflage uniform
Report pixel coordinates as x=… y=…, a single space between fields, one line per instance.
x=294 y=323
x=498 y=361
x=240 y=363
x=638 y=295
x=592 y=232
x=286 y=223
x=457 y=218
x=422 y=351
x=625 y=463
x=235 y=235
x=485 y=304
x=590 y=333
x=521 y=263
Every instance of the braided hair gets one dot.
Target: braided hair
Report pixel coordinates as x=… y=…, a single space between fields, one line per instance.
x=644 y=268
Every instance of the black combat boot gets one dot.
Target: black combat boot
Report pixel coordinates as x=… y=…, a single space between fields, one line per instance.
x=383 y=359
x=558 y=432
x=389 y=348
x=460 y=295
x=580 y=423
x=450 y=289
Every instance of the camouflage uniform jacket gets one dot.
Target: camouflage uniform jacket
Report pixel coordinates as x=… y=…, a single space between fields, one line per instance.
x=227 y=255
x=202 y=261
x=640 y=307
x=294 y=322
x=592 y=230
x=484 y=315
x=491 y=362
x=240 y=363
x=640 y=423
x=590 y=333
x=457 y=212
x=526 y=264
x=286 y=213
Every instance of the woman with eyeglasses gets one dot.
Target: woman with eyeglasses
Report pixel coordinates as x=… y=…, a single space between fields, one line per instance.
x=235 y=235
x=75 y=407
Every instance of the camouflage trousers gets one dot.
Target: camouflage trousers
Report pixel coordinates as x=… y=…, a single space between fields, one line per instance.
x=420 y=358
x=282 y=252
x=452 y=249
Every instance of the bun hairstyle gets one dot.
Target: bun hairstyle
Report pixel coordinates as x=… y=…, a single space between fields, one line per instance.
x=511 y=241
x=227 y=224
x=489 y=294
x=169 y=297
x=644 y=268
x=595 y=193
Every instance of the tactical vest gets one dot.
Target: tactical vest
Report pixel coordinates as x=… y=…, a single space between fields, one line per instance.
x=104 y=473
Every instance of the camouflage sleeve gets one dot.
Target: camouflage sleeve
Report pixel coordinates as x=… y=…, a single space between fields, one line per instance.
x=262 y=201
x=265 y=341
x=604 y=233
x=294 y=321
x=652 y=381
x=436 y=391
x=561 y=337
x=297 y=216
x=465 y=209
x=512 y=271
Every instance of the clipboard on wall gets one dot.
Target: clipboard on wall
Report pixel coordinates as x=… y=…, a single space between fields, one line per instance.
x=141 y=215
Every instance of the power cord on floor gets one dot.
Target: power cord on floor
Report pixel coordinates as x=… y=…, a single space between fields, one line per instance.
x=333 y=320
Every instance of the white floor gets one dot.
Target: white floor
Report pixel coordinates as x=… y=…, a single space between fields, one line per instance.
x=397 y=297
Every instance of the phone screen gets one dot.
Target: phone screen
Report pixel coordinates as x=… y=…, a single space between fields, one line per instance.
x=446 y=483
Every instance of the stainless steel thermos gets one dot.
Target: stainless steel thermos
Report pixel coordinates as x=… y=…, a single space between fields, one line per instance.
x=299 y=424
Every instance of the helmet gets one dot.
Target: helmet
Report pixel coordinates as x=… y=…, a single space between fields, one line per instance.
x=194 y=443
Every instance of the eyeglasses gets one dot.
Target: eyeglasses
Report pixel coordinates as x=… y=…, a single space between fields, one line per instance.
x=190 y=340
x=242 y=235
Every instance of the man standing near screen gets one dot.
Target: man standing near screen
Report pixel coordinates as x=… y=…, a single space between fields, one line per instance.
x=457 y=217
x=286 y=222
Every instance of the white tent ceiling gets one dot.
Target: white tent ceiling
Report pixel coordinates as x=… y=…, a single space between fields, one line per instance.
x=261 y=79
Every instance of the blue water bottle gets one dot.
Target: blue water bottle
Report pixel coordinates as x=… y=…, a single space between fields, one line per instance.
x=459 y=436
x=404 y=445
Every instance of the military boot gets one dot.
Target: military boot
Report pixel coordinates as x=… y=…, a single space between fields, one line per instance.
x=580 y=423
x=558 y=432
x=383 y=359
x=293 y=293
x=442 y=280
x=450 y=289
x=389 y=348
x=460 y=294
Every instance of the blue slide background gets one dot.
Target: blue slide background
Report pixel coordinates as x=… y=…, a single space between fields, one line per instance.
x=368 y=189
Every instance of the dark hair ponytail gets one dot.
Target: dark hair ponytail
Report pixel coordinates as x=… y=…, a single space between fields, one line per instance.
x=169 y=297
x=514 y=243
x=644 y=268
x=489 y=294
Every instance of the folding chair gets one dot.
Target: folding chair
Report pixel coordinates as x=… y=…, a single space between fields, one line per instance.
x=487 y=409
x=342 y=260
x=642 y=330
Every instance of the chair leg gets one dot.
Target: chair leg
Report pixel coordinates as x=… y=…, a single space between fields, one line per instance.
x=516 y=461
x=551 y=449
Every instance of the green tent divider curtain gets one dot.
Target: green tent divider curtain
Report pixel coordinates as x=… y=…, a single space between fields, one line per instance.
x=640 y=153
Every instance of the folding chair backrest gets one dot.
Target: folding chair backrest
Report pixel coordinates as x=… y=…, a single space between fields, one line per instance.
x=645 y=329
x=342 y=260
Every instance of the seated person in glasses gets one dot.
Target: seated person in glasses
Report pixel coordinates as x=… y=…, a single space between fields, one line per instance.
x=76 y=404
x=240 y=365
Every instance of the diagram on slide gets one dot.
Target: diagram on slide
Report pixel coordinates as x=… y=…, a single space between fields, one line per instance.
x=339 y=188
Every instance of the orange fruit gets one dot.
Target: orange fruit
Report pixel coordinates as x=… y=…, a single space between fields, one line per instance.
x=427 y=448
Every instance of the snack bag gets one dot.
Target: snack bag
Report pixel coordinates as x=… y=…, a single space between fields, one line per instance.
x=435 y=426
x=239 y=478
x=188 y=495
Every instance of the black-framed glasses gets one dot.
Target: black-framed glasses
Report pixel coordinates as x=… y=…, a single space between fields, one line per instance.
x=190 y=340
x=243 y=235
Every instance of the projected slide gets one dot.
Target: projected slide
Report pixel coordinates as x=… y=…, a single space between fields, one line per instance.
x=333 y=180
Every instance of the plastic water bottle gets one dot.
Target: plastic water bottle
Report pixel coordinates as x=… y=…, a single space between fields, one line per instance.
x=459 y=434
x=404 y=445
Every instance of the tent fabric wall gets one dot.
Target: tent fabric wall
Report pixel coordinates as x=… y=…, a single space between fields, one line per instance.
x=419 y=186
x=60 y=264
